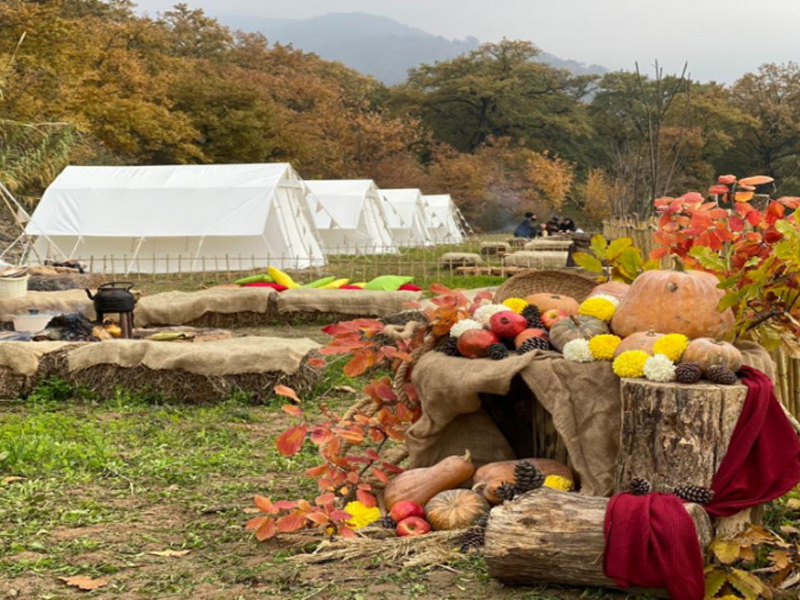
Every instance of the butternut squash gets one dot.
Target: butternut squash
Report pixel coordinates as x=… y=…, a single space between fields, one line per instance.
x=420 y=485
x=489 y=477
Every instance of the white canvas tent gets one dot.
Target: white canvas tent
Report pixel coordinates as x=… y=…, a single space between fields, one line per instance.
x=351 y=219
x=407 y=217
x=177 y=218
x=445 y=227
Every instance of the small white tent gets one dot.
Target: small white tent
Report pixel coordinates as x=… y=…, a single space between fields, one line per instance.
x=407 y=217
x=445 y=219
x=177 y=218
x=352 y=219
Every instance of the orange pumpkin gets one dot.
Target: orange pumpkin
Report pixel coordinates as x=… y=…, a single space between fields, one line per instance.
x=641 y=340
x=675 y=302
x=455 y=509
x=545 y=302
x=420 y=485
x=580 y=327
x=706 y=352
x=617 y=289
x=490 y=477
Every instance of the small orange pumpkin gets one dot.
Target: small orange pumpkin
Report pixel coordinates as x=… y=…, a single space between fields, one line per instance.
x=545 y=302
x=707 y=352
x=455 y=509
x=617 y=289
x=641 y=340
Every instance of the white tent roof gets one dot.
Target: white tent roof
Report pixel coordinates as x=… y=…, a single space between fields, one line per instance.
x=446 y=223
x=407 y=217
x=264 y=204
x=351 y=216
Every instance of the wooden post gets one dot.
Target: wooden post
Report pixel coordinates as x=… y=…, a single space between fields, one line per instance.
x=553 y=537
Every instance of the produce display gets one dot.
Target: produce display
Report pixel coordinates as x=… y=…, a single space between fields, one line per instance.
x=420 y=485
x=280 y=281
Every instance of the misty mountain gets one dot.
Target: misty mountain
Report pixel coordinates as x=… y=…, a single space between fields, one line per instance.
x=377 y=46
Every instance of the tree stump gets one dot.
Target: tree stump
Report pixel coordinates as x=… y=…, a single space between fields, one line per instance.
x=554 y=537
x=674 y=434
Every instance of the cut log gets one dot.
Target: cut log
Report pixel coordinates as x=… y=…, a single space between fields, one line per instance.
x=554 y=537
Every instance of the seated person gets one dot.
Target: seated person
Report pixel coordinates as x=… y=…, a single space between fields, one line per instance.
x=528 y=227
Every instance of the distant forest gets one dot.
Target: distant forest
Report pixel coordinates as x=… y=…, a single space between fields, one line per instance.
x=90 y=82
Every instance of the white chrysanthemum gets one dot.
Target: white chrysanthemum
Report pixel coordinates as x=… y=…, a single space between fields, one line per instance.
x=484 y=313
x=464 y=325
x=609 y=297
x=659 y=368
x=578 y=351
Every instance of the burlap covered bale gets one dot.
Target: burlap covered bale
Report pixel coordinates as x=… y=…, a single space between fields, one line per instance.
x=582 y=399
x=494 y=248
x=298 y=305
x=63 y=302
x=53 y=279
x=452 y=260
x=557 y=244
x=516 y=242
x=195 y=372
x=544 y=259
x=216 y=307
x=24 y=364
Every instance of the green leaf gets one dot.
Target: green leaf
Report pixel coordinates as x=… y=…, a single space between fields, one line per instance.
x=726 y=551
x=588 y=262
x=715 y=579
x=731 y=299
x=652 y=265
x=729 y=283
x=708 y=258
x=746 y=584
x=599 y=246
x=631 y=261
x=616 y=247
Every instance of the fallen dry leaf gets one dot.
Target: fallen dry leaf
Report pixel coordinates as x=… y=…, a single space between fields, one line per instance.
x=84 y=583
x=170 y=553
x=250 y=511
x=345 y=388
x=793 y=504
x=12 y=479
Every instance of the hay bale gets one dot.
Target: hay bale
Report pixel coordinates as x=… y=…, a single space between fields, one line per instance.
x=545 y=259
x=312 y=306
x=15 y=385
x=452 y=260
x=516 y=242
x=559 y=245
x=64 y=281
x=494 y=248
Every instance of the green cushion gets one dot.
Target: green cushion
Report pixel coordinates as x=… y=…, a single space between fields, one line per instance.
x=388 y=283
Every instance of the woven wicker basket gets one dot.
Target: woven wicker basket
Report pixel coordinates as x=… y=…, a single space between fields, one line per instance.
x=534 y=281
x=13 y=287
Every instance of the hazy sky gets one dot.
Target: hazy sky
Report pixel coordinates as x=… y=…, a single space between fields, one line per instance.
x=721 y=39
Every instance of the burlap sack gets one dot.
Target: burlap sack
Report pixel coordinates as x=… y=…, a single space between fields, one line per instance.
x=358 y=303
x=215 y=359
x=539 y=259
x=62 y=302
x=23 y=358
x=583 y=400
x=178 y=308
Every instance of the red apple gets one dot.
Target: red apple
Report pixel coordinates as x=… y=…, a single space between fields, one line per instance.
x=475 y=343
x=412 y=526
x=553 y=316
x=530 y=333
x=404 y=509
x=507 y=324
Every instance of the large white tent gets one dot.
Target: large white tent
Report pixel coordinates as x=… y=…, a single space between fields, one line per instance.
x=177 y=218
x=445 y=219
x=407 y=217
x=351 y=219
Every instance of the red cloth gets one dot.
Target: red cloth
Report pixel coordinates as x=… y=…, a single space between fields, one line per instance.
x=763 y=460
x=410 y=287
x=275 y=286
x=651 y=542
x=350 y=287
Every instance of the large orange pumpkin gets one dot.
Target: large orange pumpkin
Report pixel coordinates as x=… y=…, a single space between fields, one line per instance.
x=545 y=302
x=641 y=340
x=673 y=302
x=706 y=353
x=617 y=289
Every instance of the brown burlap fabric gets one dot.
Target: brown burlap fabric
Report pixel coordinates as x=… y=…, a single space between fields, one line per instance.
x=23 y=358
x=178 y=308
x=63 y=302
x=361 y=303
x=583 y=400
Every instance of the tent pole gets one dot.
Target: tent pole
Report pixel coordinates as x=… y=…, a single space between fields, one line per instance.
x=14 y=243
x=197 y=254
x=9 y=198
x=135 y=255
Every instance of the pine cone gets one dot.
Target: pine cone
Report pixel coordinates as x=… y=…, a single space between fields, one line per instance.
x=498 y=352
x=694 y=493
x=507 y=491
x=531 y=312
x=688 y=373
x=528 y=477
x=532 y=344
x=640 y=486
x=473 y=538
x=721 y=375
x=450 y=347
x=386 y=522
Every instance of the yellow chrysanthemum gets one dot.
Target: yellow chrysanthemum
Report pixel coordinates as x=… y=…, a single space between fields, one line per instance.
x=603 y=346
x=558 y=482
x=516 y=304
x=360 y=515
x=599 y=308
x=630 y=363
x=672 y=346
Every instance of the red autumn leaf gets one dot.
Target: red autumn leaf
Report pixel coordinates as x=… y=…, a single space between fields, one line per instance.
x=365 y=498
x=317 y=363
x=727 y=179
x=743 y=209
x=288 y=392
x=285 y=505
x=716 y=190
x=380 y=475
x=376 y=435
x=756 y=180
x=291 y=440
x=317 y=471
x=320 y=436
x=340 y=515
x=735 y=223
x=354 y=436
x=357 y=365
x=266 y=531
x=255 y=523
x=659 y=253
x=789 y=201
x=352 y=477
x=743 y=196
x=753 y=217
x=318 y=518
x=293 y=410
x=324 y=499
x=347 y=533
x=291 y=522
x=264 y=504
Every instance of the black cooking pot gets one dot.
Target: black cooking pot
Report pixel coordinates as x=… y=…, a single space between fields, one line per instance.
x=114 y=297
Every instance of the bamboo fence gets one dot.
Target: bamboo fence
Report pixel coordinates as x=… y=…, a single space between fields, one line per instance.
x=787 y=367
